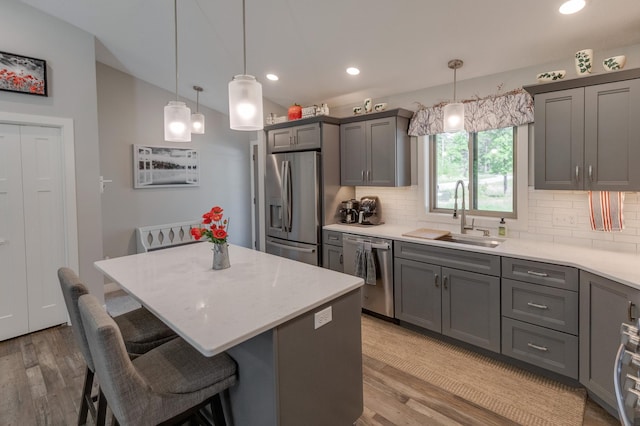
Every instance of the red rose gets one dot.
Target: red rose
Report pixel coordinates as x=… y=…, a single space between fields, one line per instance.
x=220 y=234
x=206 y=218
x=217 y=210
x=196 y=233
x=216 y=217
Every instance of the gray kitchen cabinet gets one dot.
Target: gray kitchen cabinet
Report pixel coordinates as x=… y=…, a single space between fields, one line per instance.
x=375 y=151
x=587 y=138
x=458 y=303
x=295 y=138
x=332 y=251
x=540 y=314
x=604 y=306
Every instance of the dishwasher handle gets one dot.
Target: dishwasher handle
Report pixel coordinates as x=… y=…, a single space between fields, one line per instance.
x=379 y=246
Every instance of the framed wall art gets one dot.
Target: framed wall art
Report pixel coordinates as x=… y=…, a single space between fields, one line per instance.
x=23 y=74
x=161 y=166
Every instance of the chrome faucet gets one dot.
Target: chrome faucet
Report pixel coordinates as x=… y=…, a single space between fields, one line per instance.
x=463 y=219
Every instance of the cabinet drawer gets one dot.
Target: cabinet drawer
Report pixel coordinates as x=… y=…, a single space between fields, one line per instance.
x=537 y=304
x=540 y=273
x=549 y=349
x=459 y=259
x=333 y=238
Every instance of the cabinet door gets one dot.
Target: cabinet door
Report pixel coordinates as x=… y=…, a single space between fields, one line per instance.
x=307 y=137
x=604 y=305
x=332 y=258
x=280 y=140
x=417 y=293
x=471 y=308
x=353 y=156
x=612 y=136
x=559 y=139
x=381 y=152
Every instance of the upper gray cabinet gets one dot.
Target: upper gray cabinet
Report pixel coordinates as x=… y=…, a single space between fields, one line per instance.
x=587 y=133
x=298 y=135
x=375 y=149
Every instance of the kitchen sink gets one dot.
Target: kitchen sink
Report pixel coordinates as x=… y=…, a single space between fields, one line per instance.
x=474 y=241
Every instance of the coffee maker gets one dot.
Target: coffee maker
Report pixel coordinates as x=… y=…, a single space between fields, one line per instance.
x=349 y=211
x=370 y=211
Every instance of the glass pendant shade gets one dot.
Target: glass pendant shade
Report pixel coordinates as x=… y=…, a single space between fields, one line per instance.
x=177 y=122
x=453 y=117
x=245 y=103
x=197 y=123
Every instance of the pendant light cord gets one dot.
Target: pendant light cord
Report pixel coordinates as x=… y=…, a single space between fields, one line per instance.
x=175 y=27
x=454 y=84
x=244 y=40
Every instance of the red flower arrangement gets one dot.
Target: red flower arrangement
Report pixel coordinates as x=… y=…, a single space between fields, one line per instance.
x=216 y=231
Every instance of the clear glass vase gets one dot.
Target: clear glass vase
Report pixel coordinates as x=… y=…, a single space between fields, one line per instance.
x=221 y=256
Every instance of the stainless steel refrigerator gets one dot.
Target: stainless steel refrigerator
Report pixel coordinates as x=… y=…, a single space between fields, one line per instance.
x=292 y=192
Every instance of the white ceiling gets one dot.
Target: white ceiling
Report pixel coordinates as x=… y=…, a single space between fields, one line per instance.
x=399 y=45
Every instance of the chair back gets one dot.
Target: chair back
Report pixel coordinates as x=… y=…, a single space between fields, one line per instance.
x=123 y=387
x=72 y=289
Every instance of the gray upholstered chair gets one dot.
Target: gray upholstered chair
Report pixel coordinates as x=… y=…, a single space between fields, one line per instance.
x=166 y=385
x=142 y=332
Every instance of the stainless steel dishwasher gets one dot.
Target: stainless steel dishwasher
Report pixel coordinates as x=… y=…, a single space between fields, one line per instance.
x=376 y=297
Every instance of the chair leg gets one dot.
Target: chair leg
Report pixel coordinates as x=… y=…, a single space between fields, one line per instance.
x=101 y=417
x=86 y=397
x=216 y=411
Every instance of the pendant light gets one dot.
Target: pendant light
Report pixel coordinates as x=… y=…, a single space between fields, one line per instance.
x=177 y=116
x=197 y=118
x=454 y=112
x=245 y=95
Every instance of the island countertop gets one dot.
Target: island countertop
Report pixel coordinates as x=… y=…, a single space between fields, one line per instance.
x=215 y=310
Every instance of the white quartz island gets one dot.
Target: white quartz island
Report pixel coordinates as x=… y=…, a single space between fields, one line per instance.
x=261 y=311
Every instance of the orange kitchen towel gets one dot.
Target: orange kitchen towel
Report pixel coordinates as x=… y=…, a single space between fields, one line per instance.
x=605 y=210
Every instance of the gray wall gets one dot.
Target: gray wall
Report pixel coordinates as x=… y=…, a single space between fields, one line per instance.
x=131 y=112
x=70 y=57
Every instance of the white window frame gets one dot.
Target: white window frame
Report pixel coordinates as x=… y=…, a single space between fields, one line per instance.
x=521 y=189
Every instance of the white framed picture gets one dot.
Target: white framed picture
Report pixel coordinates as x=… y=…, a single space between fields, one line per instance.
x=164 y=166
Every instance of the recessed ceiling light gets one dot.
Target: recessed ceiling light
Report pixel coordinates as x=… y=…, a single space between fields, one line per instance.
x=571 y=6
x=353 y=71
x=272 y=77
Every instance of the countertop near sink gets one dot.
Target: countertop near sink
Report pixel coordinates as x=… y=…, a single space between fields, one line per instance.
x=621 y=267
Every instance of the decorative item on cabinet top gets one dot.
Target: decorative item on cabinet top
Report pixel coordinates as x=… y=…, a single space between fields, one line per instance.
x=547 y=76
x=614 y=63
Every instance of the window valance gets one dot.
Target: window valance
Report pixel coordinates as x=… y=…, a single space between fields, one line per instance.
x=495 y=112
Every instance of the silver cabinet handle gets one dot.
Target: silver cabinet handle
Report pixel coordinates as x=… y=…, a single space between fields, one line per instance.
x=369 y=175
x=284 y=246
x=630 y=311
x=535 y=305
x=577 y=172
x=538 y=274
x=590 y=172
x=446 y=282
x=436 y=278
x=538 y=347
x=362 y=173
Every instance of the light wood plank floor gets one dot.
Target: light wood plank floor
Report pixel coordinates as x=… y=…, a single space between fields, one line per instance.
x=41 y=378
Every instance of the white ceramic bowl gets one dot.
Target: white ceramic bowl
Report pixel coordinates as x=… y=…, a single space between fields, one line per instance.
x=614 y=63
x=547 y=76
x=357 y=110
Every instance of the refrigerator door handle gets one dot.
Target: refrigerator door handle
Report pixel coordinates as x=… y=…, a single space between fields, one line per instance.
x=283 y=194
x=289 y=196
x=284 y=246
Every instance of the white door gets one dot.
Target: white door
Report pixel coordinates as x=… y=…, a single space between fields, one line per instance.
x=31 y=192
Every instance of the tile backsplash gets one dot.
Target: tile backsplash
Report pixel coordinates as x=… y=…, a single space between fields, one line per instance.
x=555 y=216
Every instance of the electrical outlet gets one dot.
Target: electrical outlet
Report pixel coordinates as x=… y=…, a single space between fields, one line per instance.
x=322 y=317
x=567 y=219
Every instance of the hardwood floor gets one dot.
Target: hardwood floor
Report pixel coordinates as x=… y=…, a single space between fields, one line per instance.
x=41 y=379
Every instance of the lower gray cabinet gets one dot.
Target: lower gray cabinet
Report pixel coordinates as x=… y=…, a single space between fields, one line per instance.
x=417 y=293
x=604 y=306
x=460 y=304
x=332 y=251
